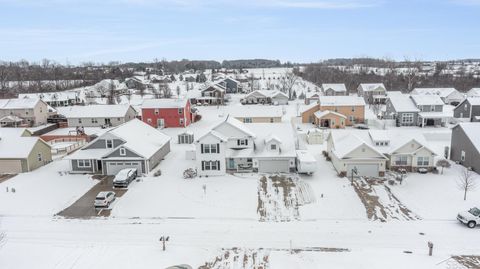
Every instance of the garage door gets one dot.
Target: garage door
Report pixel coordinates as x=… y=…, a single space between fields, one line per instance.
x=10 y=166
x=364 y=170
x=114 y=167
x=273 y=166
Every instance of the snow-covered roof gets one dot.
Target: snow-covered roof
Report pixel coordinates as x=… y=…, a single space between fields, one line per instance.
x=94 y=111
x=320 y=114
x=402 y=102
x=19 y=103
x=11 y=118
x=426 y=100
x=165 y=103
x=336 y=87
x=51 y=96
x=367 y=87
x=442 y=92
x=474 y=101
x=15 y=146
x=241 y=111
x=341 y=101
x=346 y=142
x=379 y=135
x=268 y=93
x=215 y=86
x=236 y=124
x=305 y=156
x=474 y=92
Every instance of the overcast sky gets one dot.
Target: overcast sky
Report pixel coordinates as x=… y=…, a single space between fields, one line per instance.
x=298 y=31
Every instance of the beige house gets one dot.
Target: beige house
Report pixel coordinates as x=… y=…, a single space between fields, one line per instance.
x=21 y=153
x=352 y=107
x=97 y=115
x=24 y=111
x=256 y=114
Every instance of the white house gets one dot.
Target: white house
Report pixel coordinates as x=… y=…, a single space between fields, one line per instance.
x=232 y=146
x=449 y=96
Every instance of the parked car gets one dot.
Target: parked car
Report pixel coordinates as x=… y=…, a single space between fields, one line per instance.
x=104 y=199
x=422 y=170
x=471 y=218
x=124 y=177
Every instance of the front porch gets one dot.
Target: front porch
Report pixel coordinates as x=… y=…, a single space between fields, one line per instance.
x=240 y=165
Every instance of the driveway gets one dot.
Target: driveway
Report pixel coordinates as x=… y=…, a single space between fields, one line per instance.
x=6 y=177
x=83 y=207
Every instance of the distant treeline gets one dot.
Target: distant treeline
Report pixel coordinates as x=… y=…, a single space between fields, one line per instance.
x=321 y=73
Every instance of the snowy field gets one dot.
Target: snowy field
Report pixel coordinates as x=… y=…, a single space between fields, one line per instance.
x=242 y=221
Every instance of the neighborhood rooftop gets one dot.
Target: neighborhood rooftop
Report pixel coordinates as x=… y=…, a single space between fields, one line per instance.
x=93 y=111
x=341 y=101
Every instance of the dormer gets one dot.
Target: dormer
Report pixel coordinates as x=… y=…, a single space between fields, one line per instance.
x=379 y=138
x=273 y=143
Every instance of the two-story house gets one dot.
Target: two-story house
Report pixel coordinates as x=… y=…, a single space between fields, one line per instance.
x=449 y=96
x=212 y=94
x=468 y=109
x=401 y=108
x=133 y=144
x=373 y=93
x=430 y=110
x=232 y=147
x=55 y=99
x=349 y=109
x=24 y=111
x=231 y=85
x=465 y=145
x=97 y=115
x=167 y=113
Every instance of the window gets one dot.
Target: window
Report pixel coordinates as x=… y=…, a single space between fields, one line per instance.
x=271 y=120
x=465 y=107
x=407 y=118
x=181 y=121
x=79 y=120
x=83 y=163
x=118 y=119
x=422 y=161
x=123 y=152
x=149 y=120
x=210 y=165
x=210 y=148
x=432 y=108
x=39 y=157
x=157 y=111
x=333 y=122
x=109 y=144
x=273 y=146
x=247 y=120
x=336 y=109
x=351 y=118
x=401 y=160
x=180 y=111
x=353 y=109
x=94 y=120
x=242 y=142
x=462 y=157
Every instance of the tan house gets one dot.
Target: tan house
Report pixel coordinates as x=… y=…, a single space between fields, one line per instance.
x=330 y=119
x=352 y=107
x=97 y=115
x=22 y=153
x=257 y=114
x=25 y=111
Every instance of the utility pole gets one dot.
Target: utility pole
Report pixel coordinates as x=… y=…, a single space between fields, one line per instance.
x=164 y=239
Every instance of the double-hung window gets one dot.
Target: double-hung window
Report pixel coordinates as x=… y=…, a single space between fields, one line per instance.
x=109 y=144
x=83 y=163
x=422 y=161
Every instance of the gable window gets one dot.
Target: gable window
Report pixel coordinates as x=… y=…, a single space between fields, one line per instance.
x=242 y=142
x=462 y=157
x=422 y=161
x=180 y=111
x=247 y=120
x=123 y=152
x=273 y=146
x=109 y=144
x=83 y=163
x=39 y=157
x=465 y=107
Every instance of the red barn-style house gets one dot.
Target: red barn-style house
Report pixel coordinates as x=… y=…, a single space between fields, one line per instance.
x=165 y=113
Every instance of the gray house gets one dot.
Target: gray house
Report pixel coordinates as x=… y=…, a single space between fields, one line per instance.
x=97 y=115
x=431 y=110
x=134 y=144
x=466 y=144
x=231 y=85
x=334 y=89
x=373 y=93
x=468 y=109
x=401 y=108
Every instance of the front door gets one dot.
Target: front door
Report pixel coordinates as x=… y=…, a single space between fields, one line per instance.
x=231 y=163
x=107 y=122
x=161 y=123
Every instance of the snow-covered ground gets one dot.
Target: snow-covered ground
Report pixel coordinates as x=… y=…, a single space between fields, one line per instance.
x=218 y=218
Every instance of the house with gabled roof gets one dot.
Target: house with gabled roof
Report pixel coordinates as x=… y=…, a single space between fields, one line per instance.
x=468 y=109
x=133 y=144
x=231 y=85
x=351 y=107
x=474 y=92
x=401 y=108
x=234 y=147
x=449 y=96
x=211 y=94
x=275 y=97
x=97 y=115
x=334 y=89
x=31 y=111
x=465 y=145
x=373 y=93
x=431 y=110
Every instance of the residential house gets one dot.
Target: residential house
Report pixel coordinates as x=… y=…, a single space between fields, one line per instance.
x=351 y=155
x=474 y=92
x=401 y=108
x=373 y=93
x=133 y=144
x=55 y=99
x=275 y=97
x=167 y=113
x=97 y=115
x=465 y=145
x=334 y=89
x=231 y=85
x=311 y=97
x=256 y=114
x=449 y=96
x=329 y=119
x=352 y=107
x=233 y=147
x=20 y=153
x=212 y=94
x=431 y=110
x=468 y=109
x=31 y=111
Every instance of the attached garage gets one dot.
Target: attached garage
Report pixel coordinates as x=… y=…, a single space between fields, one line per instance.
x=273 y=166
x=364 y=170
x=114 y=167
x=10 y=166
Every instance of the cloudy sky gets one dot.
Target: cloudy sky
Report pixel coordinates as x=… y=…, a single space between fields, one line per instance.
x=298 y=31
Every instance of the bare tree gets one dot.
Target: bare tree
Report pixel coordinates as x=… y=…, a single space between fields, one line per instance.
x=444 y=164
x=287 y=81
x=111 y=93
x=467 y=181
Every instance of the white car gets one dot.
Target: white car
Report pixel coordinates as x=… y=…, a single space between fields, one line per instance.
x=104 y=199
x=124 y=177
x=471 y=218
